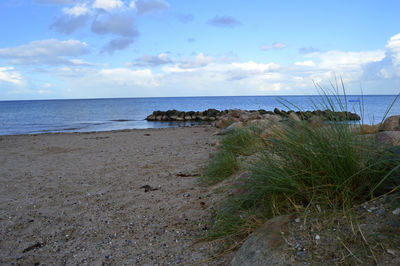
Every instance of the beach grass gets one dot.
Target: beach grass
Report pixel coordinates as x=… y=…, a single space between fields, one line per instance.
x=239 y=142
x=301 y=168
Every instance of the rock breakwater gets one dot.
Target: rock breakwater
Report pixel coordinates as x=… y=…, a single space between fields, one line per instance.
x=244 y=115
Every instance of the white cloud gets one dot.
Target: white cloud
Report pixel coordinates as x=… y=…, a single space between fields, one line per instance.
x=77 y=10
x=393 y=50
x=338 y=60
x=308 y=63
x=389 y=66
x=204 y=74
x=128 y=77
x=149 y=6
x=69 y=23
x=253 y=66
x=9 y=75
x=117 y=24
x=153 y=61
x=44 y=52
x=200 y=60
x=275 y=45
x=108 y=5
x=117 y=44
x=47 y=85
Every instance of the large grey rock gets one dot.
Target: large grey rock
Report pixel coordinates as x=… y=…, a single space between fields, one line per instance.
x=262 y=123
x=224 y=121
x=265 y=246
x=294 y=117
x=391 y=123
x=388 y=138
x=273 y=118
x=316 y=121
x=231 y=128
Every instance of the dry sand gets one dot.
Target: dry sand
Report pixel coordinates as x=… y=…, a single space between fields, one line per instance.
x=69 y=199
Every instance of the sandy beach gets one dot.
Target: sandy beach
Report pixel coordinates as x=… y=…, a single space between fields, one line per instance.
x=119 y=198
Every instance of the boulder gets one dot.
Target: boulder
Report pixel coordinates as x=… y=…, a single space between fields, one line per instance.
x=388 y=138
x=391 y=123
x=294 y=117
x=235 y=113
x=232 y=127
x=151 y=118
x=316 y=121
x=224 y=121
x=272 y=118
x=265 y=246
x=262 y=123
x=273 y=130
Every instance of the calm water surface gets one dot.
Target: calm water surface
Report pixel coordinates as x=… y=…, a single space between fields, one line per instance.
x=86 y=115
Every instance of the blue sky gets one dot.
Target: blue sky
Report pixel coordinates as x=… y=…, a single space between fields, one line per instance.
x=52 y=49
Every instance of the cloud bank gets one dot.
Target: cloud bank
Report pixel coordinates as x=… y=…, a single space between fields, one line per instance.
x=50 y=52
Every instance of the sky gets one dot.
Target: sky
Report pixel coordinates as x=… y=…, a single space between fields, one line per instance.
x=66 y=49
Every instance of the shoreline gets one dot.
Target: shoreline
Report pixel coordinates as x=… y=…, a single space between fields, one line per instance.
x=98 y=132
x=125 y=196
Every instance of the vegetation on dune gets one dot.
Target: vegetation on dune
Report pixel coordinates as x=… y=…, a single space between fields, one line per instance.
x=239 y=142
x=300 y=169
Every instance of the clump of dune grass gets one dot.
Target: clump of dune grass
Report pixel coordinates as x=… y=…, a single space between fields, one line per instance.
x=303 y=168
x=241 y=141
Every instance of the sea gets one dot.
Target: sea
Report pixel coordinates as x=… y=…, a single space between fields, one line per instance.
x=91 y=115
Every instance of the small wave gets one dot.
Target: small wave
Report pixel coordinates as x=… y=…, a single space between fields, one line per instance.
x=124 y=120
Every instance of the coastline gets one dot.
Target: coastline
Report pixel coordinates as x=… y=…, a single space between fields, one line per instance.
x=123 y=196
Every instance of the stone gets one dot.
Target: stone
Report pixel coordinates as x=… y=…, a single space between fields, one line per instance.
x=272 y=118
x=262 y=123
x=151 y=118
x=224 y=122
x=391 y=123
x=254 y=116
x=388 y=138
x=316 y=121
x=231 y=128
x=396 y=211
x=238 y=186
x=235 y=113
x=277 y=111
x=265 y=246
x=294 y=117
x=274 y=130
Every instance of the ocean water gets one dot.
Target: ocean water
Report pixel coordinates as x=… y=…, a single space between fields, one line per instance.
x=87 y=115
